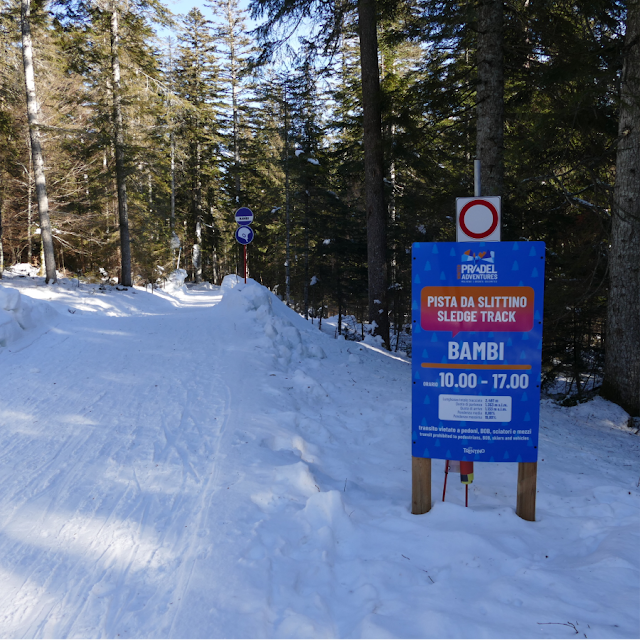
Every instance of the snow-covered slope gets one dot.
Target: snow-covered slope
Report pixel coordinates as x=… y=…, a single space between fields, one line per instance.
x=205 y=463
x=20 y=318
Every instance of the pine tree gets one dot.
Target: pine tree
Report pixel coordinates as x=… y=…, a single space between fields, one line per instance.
x=330 y=18
x=197 y=83
x=560 y=86
x=234 y=48
x=561 y=121
x=622 y=364
x=11 y=95
x=490 y=96
x=35 y=142
x=118 y=132
x=373 y=169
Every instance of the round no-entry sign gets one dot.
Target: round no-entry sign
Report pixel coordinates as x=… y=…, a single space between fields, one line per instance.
x=244 y=216
x=478 y=219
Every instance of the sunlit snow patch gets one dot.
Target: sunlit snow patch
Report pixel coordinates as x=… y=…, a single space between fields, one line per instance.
x=19 y=314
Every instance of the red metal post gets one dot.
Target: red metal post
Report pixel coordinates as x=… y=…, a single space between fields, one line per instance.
x=446 y=474
x=245 y=264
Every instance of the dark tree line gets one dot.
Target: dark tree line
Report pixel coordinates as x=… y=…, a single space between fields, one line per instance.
x=349 y=142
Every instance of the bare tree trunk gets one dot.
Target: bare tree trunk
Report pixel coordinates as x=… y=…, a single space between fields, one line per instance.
x=214 y=267
x=29 y=173
x=307 y=207
x=172 y=218
x=622 y=356
x=196 y=255
x=490 y=97
x=36 y=146
x=1 y=245
x=339 y=292
x=233 y=62
x=123 y=215
x=287 y=264
x=197 y=247
x=29 y=222
x=172 y=144
x=373 y=169
x=149 y=190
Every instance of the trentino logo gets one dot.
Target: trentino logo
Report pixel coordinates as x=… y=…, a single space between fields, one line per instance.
x=477 y=267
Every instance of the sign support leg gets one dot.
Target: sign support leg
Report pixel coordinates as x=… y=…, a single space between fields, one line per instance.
x=245 y=264
x=421 y=485
x=526 y=501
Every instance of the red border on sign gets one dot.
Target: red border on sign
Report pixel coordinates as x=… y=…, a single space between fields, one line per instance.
x=484 y=234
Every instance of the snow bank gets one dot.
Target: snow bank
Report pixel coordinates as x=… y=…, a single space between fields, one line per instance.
x=331 y=482
x=601 y=413
x=280 y=325
x=19 y=314
x=231 y=281
x=175 y=281
x=24 y=269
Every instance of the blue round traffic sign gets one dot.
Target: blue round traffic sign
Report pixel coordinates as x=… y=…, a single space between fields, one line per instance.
x=244 y=216
x=244 y=234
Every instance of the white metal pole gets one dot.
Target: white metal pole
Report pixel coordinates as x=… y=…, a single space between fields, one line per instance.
x=477 y=187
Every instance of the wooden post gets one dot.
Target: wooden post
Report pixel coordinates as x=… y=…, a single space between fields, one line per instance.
x=526 y=501
x=420 y=485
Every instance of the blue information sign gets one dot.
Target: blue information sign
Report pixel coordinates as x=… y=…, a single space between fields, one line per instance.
x=244 y=235
x=477 y=344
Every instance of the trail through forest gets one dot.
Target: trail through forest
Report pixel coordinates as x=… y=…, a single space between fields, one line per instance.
x=205 y=463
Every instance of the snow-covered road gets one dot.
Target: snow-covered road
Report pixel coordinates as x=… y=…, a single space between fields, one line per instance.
x=207 y=464
x=117 y=424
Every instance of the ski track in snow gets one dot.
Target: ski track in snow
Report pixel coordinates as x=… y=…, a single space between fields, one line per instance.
x=206 y=464
x=118 y=428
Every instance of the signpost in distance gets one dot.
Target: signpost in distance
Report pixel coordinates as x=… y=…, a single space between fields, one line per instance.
x=244 y=233
x=244 y=216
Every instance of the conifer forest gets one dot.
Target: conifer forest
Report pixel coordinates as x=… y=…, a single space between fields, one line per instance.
x=130 y=134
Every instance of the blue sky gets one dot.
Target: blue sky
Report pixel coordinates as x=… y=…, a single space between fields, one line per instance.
x=184 y=6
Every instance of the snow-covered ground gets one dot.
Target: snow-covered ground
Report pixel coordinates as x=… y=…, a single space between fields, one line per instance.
x=205 y=463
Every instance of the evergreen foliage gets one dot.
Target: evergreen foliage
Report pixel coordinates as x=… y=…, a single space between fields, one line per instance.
x=210 y=125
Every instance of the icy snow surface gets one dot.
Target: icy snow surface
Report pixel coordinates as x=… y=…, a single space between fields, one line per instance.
x=205 y=463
